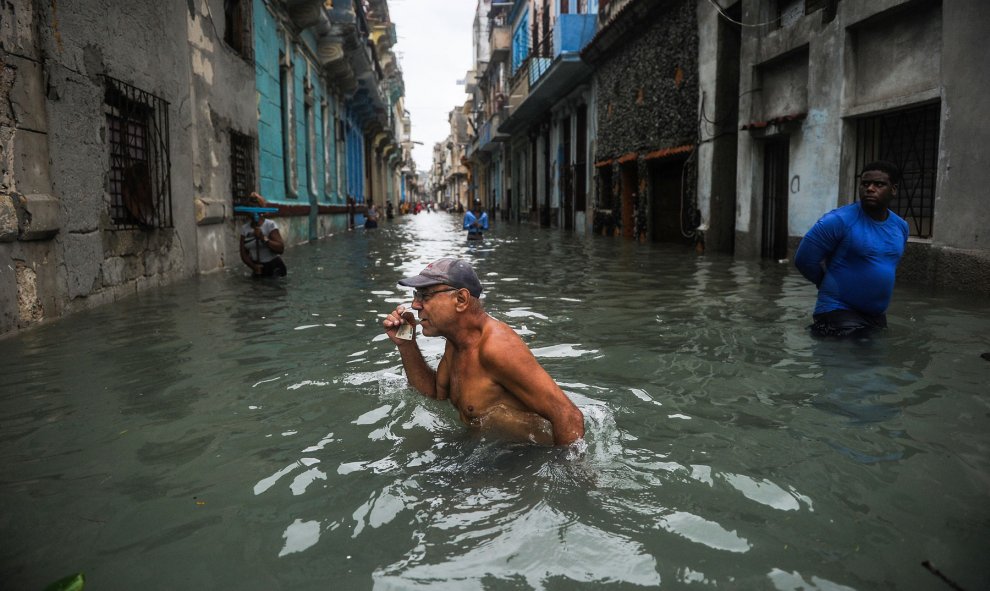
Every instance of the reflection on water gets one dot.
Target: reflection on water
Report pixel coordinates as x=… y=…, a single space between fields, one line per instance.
x=260 y=435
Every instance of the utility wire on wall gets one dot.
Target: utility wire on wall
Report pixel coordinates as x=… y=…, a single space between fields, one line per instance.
x=721 y=12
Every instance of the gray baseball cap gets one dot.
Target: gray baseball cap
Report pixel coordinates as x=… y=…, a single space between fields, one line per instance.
x=453 y=272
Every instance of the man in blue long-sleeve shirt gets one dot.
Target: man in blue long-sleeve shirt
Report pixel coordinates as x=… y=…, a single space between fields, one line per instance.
x=851 y=255
x=475 y=221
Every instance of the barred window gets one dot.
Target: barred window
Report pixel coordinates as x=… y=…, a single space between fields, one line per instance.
x=140 y=180
x=908 y=138
x=241 y=166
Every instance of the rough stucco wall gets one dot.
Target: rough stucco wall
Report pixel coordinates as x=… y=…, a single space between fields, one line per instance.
x=140 y=43
x=809 y=53
x=648 y=88
x=962 y=218
x=67 y=255
x=784 y=86
x=223 y=98
x=898 y=56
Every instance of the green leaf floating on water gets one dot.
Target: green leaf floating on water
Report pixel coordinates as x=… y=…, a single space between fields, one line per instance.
x=70 y=583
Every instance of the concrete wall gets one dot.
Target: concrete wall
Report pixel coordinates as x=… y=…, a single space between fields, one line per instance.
x=64 y=252
x=962 y=218
x=718 y=85
x=958 y=255
x=786 y=72
x=222 y=99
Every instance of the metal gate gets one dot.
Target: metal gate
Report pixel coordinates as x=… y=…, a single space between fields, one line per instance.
x=909 y=140
x=775 y=165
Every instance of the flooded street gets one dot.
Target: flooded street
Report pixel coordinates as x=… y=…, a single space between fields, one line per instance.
x=225 y=433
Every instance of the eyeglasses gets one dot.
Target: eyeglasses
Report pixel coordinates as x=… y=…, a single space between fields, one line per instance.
x=878 y=184
x=424 y=296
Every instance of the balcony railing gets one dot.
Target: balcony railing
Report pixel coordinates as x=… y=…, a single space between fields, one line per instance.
x=574 y=31
x=488 y=131
x=570 y=33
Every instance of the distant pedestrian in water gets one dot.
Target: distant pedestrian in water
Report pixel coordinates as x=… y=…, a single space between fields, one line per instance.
x=389 y=211
x=488 y=373
x=852 y=254
x=371 y=216
x=476 y=221
x=261 y=243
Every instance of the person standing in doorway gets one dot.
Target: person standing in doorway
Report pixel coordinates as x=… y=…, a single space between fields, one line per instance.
x=389 y=211
x=851 y=255
x=261 y=243
x=476 y=221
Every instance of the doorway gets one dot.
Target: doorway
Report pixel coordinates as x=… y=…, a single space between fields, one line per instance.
x=629 y=180
x=775 y=173
x=666 y=195
x=567 y=176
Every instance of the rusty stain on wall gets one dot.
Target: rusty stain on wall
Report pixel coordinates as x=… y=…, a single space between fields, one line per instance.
x=55 y=30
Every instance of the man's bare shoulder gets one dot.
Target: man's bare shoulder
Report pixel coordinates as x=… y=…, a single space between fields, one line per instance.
x=500 y=343
x=498 y=332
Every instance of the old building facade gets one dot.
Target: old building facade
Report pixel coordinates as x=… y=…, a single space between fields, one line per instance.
x=132 y=131
x=826 y=87
x=732 y=127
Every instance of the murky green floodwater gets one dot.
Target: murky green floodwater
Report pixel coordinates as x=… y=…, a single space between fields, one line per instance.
x=231 y=434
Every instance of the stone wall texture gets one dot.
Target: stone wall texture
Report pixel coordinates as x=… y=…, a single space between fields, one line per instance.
x=648 y=85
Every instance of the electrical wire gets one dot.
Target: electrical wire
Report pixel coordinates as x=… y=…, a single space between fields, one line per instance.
x=212 y=22
x=721 y=11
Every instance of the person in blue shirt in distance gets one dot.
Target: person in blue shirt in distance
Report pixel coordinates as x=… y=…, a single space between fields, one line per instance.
x=851 y=254
x=475 y=221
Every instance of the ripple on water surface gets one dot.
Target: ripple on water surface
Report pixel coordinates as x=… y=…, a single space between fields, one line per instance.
x=268 y=426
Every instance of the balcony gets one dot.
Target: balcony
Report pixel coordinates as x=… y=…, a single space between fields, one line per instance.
x=500 y=42
x=499 y=33
x=573 y=32
x=488 y=134
x=471 y=80
x=551 y=70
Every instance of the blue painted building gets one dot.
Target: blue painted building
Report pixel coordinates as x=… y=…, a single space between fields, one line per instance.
x=327 y=129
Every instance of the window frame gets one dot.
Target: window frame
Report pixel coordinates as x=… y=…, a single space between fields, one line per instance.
x=243 y=178
x=907 y=137
x=139 y=187
x=237 y=32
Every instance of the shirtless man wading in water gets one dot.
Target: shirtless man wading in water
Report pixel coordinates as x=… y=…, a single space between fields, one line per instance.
x=487 y=372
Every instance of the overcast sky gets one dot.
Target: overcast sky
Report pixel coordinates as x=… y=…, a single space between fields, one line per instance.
x=434 y=49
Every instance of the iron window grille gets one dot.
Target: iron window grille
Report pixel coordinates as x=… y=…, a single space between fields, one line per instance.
x=241 y=166
x=140 y=180
x=908 y=138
